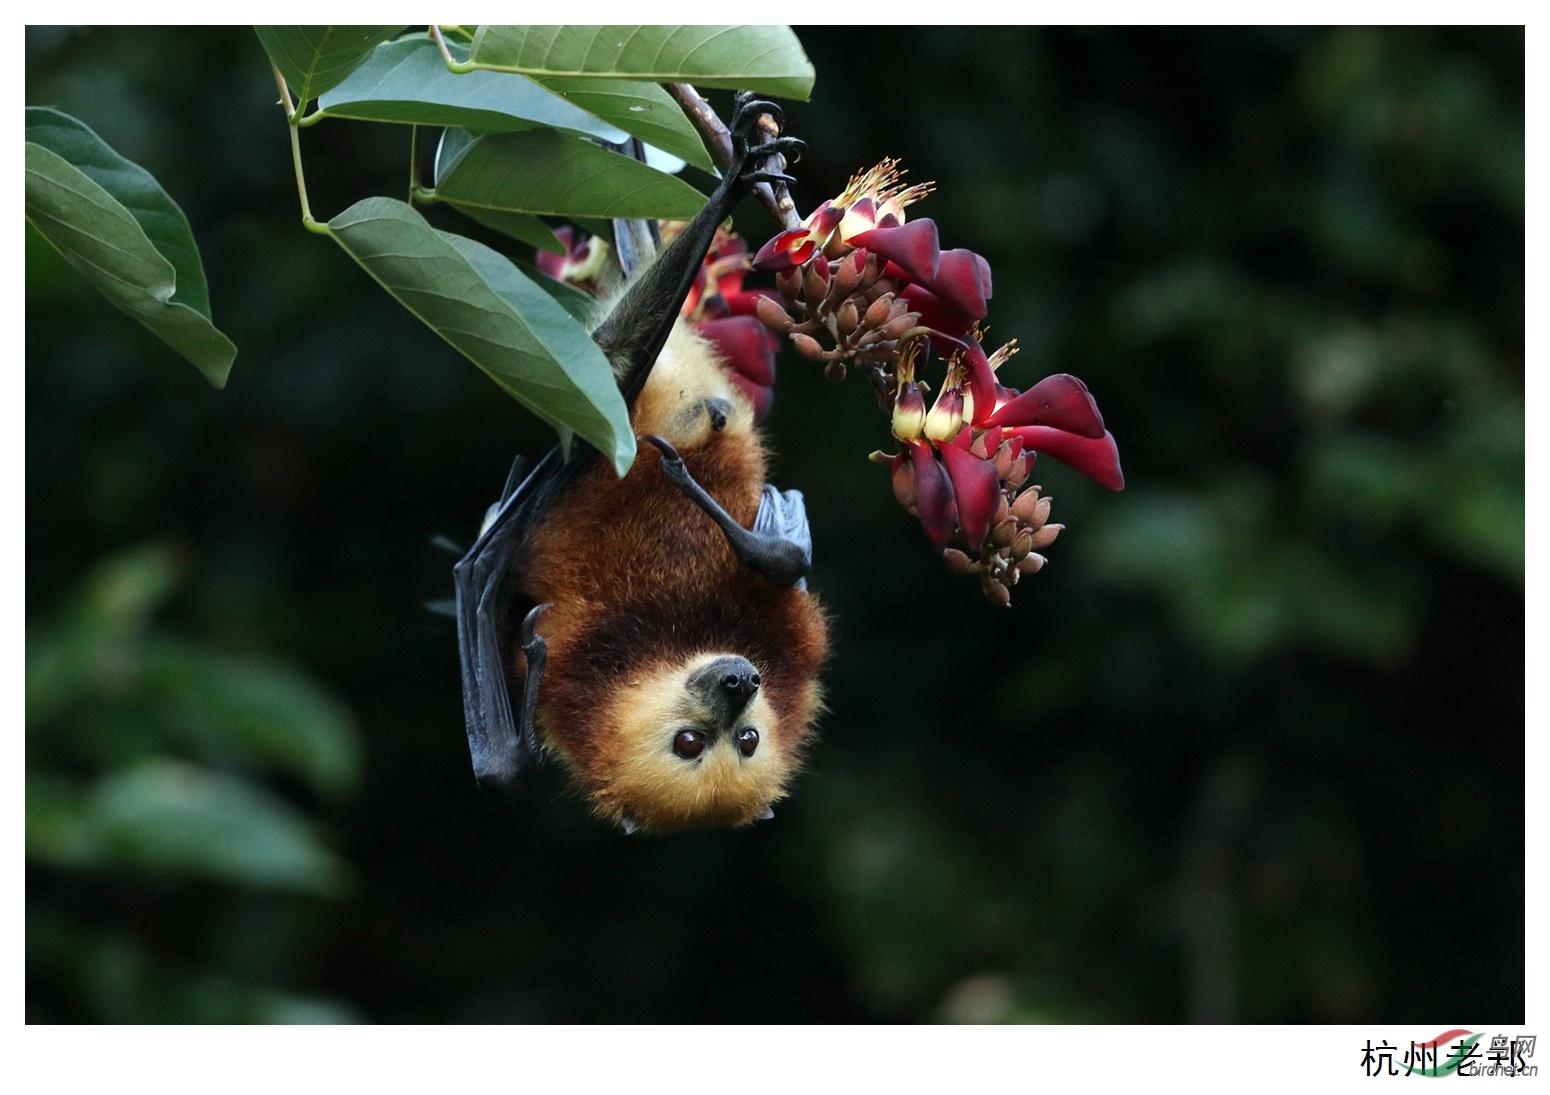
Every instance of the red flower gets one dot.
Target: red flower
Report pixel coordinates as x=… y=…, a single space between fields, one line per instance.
x=1059 y=416
x=583 y=259
x=872 y=206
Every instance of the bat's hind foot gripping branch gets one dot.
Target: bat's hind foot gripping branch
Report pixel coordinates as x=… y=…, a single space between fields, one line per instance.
x=751 y=145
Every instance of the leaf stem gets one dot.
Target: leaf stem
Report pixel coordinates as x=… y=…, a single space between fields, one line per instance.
x=453 y=64
x=414 y=160
x=291 y=111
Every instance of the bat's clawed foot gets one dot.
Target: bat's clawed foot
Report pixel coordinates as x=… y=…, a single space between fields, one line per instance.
x=768 y=177
x=746 y=110
x=754 y=144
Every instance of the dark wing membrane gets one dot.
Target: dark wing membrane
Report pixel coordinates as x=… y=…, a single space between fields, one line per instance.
x=783 y=514
x=486 y=605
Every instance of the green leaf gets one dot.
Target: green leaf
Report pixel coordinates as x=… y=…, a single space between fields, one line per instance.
x=170 y=817
x=641 y=109
x=253 y=710
x=92 y=644
x=584 y=308
x=519 y=226
x=104 y=241
x=766 y=59
x=548 y=173
x=314 y=59
x=135 y=188
x=480 y=303
x=408 y=81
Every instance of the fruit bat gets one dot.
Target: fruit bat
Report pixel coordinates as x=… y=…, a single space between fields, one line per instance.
x=657 y=627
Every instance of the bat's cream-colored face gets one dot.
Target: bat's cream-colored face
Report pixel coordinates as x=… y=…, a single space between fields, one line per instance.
x=691 y=745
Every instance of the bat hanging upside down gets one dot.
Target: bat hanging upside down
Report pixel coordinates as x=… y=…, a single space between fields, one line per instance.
x=659 y=625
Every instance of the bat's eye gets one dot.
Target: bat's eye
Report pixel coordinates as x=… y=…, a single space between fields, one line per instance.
x=688 y=743
x=747 y=741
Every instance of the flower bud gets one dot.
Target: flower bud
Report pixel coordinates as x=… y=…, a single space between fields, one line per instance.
x=847 y=319
x=1004 y=458
x=1021 y=545
x=959 y=563
x=1026 y=506
x=847 y=277
x=1018 y=474
x=1001 y=534
x=815 y=286
x=995 y=591
x=1045 y=536
x=899 y=325
x=945 y=418
x=880 y=311
x=1032 y=563
x=909 y=413
x=834 y=372
x=773 y=316
x=807 y=346
x=789 y=283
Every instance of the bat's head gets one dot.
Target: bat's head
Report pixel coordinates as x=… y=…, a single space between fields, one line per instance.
x=696 y=743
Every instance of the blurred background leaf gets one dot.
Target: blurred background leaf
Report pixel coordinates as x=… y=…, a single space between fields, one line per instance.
x=1209 y=767
x=146 y=757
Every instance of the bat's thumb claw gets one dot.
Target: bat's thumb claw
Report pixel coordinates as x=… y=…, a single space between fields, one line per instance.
x=530 y=620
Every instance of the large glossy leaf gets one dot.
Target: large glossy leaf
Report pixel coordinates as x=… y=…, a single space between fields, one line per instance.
x=584 y=308
x=102 y=239
x=135 y=188
x=480 y=303
x=767 y=59
x=314 y=59
x=639 y=108
x=408 y=81
x=548 y=173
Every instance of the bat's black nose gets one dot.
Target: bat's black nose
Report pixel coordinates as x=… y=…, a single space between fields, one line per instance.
x=741 y=684
x=727 y=685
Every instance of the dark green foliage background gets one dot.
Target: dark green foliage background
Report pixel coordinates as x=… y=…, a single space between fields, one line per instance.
x=1251 y=749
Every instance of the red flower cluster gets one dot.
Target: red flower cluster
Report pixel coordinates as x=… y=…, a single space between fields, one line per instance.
x=860 y=283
